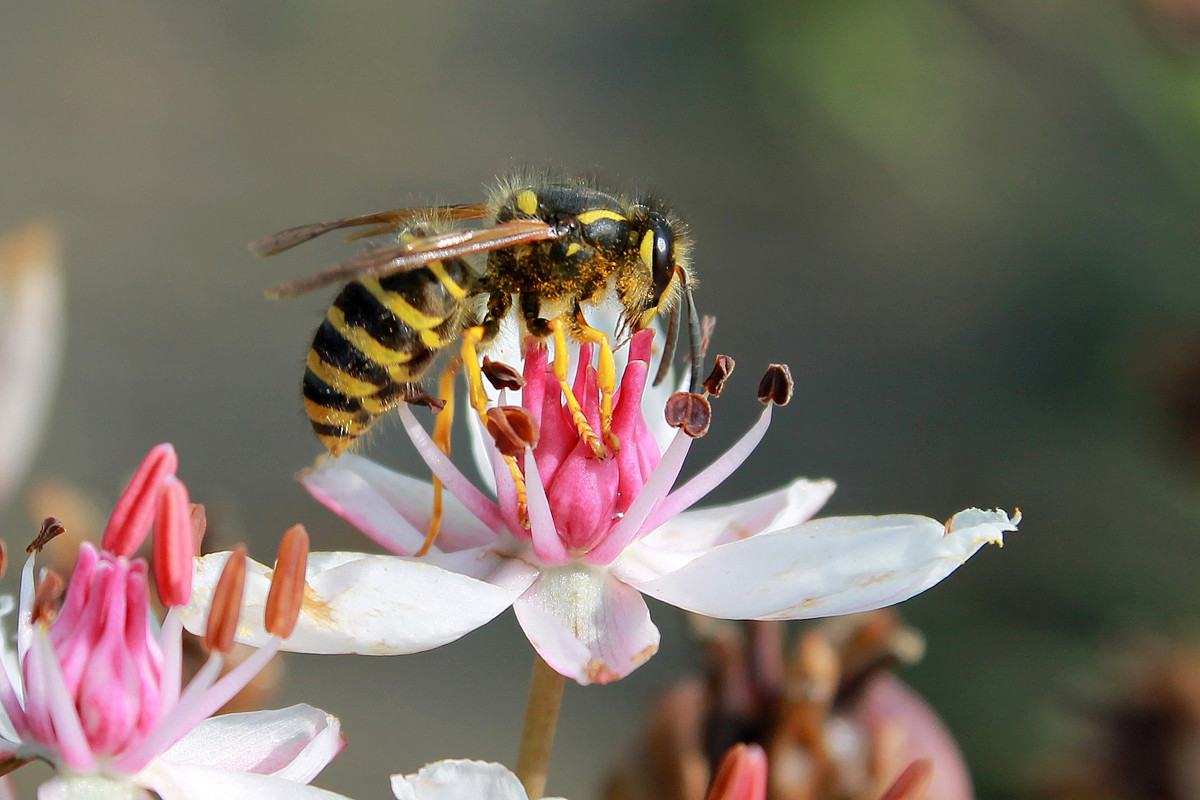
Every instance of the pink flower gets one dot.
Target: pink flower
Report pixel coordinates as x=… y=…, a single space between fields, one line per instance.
x=601 y=533
x=94 y=687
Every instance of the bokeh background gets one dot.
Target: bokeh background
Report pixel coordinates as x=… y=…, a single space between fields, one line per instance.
x=970 y=226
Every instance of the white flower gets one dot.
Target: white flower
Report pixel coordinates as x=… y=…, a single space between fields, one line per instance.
x=601 y=533
x=459 y=779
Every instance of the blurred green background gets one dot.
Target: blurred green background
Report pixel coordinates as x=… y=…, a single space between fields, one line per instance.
x=970 y=226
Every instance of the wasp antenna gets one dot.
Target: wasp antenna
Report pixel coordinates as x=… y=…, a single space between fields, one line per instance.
x=668 y=353
x=695 y=338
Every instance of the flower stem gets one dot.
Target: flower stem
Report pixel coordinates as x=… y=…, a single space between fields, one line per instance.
x=541 y=718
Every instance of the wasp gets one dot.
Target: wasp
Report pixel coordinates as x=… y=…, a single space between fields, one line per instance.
x=548 y=248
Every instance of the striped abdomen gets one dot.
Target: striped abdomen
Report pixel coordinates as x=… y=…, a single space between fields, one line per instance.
x=378 y=337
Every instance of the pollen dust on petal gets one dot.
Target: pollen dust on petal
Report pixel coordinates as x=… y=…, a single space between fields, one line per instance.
x=316 y=609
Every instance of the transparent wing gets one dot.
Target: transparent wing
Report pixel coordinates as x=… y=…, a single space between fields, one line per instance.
x=384 y=222
x=420 y=251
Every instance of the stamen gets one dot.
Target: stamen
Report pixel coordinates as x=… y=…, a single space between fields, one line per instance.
x=47 y=598
x=649 y=499
x=689 y=412
x=547 y=545
x=513 y=429
x=776 y=385
x=710 y=477
x=415 y=397
x=51 y=528
x=714 y=384
x=475 y=501
x=130 y=520
x=912 y=782
x=3 y=557
x=60 y=705
x=286 y=594
x=502 y=376
x=226 y=605
x=174 y=548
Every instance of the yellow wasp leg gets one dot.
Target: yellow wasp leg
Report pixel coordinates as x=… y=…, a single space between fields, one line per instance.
x=441 y=436
x=606 y=378
x=472 y=336
x=560 y=371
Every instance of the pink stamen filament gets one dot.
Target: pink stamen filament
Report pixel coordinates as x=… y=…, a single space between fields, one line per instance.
x=652 y=493
x=458 y=485
x=57 y=702
x=547 y=545
x=199 y=701
x=171 y=642
x=709 y=478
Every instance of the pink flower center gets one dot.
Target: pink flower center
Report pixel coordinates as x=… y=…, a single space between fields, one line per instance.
x=111 y=664
x=589 y=495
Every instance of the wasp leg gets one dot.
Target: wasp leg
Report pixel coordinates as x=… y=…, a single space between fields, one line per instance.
x=606 y=378
x=441 y=436
x=484 y=332
x=541 y=327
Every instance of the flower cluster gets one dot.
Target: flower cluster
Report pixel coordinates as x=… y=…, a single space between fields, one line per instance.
x=95 y=686
x=572 y=539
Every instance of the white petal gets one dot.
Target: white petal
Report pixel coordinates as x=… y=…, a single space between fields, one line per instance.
x=586 y=624
x=192 y=782
x=390 y=507
x=695 y=531
x=291 y=743
x=459 y=779
x=90 y=787
x=836 y=565
x=369 y=604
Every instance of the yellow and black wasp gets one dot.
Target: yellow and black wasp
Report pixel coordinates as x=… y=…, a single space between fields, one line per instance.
x=551 y=248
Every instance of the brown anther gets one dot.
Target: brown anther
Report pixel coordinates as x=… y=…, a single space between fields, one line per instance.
x=3 y=557
x=226 y=606
x=512 y=428
x=501 y=376
x=689 y=412
x=416 y=397
x=199 y=525
x=47 y=597
x=911 y=783
x=51 y=527
x=714 y=384
x=286 y=595
x=776 y=385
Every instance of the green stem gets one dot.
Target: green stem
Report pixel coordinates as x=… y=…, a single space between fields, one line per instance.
x=541 y=718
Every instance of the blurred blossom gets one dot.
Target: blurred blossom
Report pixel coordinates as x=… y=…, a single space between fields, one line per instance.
x=31 y=340
x=596 y=534
x=94 y=687
x=833 y=720
x=1142 y=739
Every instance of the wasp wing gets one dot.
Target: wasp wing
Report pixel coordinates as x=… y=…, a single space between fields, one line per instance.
x=384 y=222
x=420 y=251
